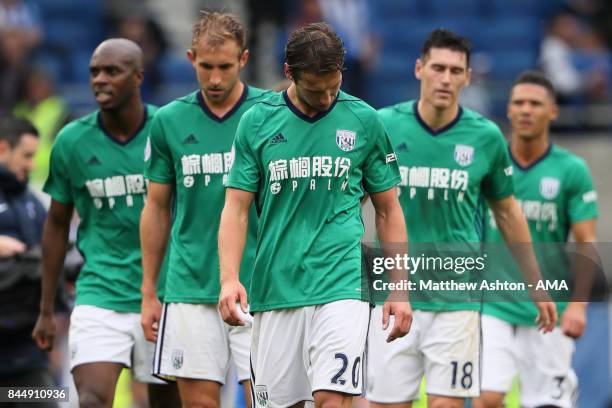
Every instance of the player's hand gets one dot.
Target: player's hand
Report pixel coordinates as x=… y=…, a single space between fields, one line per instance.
x=547 y=316
x=150 y=315
x=402 y=311
x=44 y=331
x=10 y=246
x=573 y=320
x=233 y=292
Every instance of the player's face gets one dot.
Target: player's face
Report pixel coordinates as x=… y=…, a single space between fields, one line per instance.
x=114 y=80
x=530 y=110
x=318 y=91
x=443 y=73
x=19 y=160
x=218 y=68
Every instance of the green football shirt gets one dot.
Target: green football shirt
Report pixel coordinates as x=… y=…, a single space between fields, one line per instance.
x=308 y=175
x=555 y=192
x=191 y=149
x=104 y=180
x=445 y=175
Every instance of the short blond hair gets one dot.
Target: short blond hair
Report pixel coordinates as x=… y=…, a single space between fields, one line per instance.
x=217 y=28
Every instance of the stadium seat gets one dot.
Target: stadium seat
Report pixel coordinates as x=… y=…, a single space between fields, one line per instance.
x=176 y=70
x=401 y=34
x=51 y=64
x=463 y=25
x=71 y=28
x=80 y=10
x=508 y=64
x=79 y=62
x=456 y=7
x=65 y=33
x=397 y=64
x=72 y=34
x=529 y=8
x=387 y=93
x=397 y=8
x=510 y=33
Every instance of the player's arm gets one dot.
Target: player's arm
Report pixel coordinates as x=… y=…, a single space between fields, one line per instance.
x=232 y=240
x=513 y=227
x=573 y=321
x=154 y=229
x=391 y=229
x=54 y=247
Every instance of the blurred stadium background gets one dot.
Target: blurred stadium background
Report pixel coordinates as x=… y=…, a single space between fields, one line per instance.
x=45 y=46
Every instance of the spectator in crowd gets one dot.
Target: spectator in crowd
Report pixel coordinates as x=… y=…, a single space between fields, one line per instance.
x=477 y=95
x=350 y=19
x=20 y=33
x=266 y=23
x=145 y=31
x=308 y=11
x=574 y=59
x=47 y=111
x=594 y=59
x=597 y=12
x=20 y=20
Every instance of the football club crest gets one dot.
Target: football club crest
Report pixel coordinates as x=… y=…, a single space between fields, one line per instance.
x=261 y=395
x=464 y=155
x=549 y=187
x=177 y=358
x=345 y=139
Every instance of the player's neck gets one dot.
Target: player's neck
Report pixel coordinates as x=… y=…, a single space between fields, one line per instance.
x=527 y=151
x=220 y=109
x=436 y=118
x=123 y=123
x=302 y=107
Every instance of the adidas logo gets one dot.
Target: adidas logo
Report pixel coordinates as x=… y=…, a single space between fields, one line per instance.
x=279 y=138
x=402 y=148
x=191 y=139
x=93 y=160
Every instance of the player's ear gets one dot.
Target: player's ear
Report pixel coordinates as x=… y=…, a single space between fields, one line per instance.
x=139 y=76
x=5 y=149
x=287 y=72
x=418 y=66
x=468 y=76
x=554 y=111
x=509 y=104
x=191 y=56
x=244 y=57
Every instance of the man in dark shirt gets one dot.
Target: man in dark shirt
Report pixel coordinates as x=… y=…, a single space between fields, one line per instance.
x=21 y=222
